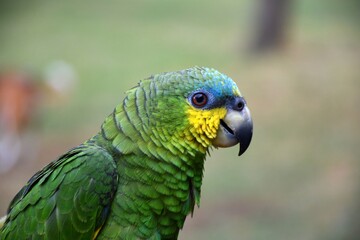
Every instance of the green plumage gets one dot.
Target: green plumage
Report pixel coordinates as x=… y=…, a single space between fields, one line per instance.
x=69 y=197
x=138 y=178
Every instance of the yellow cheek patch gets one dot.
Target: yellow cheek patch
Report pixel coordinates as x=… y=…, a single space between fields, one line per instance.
x=205 y=123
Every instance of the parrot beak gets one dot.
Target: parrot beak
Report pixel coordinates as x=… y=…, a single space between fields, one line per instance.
x=236 y=127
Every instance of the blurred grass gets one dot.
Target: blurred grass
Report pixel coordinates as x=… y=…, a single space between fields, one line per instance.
x=297 y=180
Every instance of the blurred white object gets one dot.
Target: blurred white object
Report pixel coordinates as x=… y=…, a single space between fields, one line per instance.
x=60 y=76
x=10 y=151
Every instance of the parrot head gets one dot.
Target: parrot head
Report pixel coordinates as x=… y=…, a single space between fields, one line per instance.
x=196 y=108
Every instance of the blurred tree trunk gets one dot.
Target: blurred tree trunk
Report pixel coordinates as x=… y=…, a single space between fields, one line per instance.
x=352 y=229
x=272 y=21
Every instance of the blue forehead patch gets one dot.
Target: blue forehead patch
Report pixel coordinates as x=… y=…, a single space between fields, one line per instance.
x=217 y=83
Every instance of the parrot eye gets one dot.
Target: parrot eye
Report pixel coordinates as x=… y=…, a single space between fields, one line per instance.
x=199 y=99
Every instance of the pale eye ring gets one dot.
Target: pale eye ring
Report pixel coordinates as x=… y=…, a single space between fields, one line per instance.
x=199 y=99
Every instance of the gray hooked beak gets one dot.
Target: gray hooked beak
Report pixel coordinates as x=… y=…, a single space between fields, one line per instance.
x=236 y=127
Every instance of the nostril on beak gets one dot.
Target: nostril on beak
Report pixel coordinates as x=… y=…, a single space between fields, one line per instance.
x=239 y=104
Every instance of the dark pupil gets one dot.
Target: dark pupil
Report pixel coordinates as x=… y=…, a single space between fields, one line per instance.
x=199 y=99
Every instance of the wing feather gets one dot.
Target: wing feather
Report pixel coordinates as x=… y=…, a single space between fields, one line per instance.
x=70 y=197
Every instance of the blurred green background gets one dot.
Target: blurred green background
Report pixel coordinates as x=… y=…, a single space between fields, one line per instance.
x=300 y=177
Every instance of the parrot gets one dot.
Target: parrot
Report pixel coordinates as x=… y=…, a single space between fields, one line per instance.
x=140 y=176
